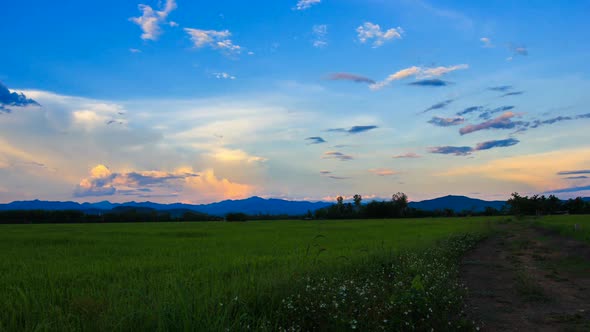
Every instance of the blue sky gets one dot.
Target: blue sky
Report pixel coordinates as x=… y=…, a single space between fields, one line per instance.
x=197 y=102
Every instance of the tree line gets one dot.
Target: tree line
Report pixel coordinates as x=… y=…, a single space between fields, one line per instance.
x=540 y=205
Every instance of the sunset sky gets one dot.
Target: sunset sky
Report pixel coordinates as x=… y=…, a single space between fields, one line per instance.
x=200 y=101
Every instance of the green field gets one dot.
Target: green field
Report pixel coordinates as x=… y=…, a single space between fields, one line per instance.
x=566 y=225
x=218 y=276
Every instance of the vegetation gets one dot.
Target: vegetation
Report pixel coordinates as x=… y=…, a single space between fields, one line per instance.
x=217 y=276
x=576 y=226
x=541 y=205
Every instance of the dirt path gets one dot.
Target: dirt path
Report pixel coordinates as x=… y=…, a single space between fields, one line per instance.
x=529 y=279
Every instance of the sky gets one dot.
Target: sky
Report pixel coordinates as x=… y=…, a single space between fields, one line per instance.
x=198 y=101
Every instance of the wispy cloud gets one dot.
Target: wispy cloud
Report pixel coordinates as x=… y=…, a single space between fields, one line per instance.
x=446 y=122
x=568 y=190
x=515 y=93
x=431 y=82
x=580 y=177
x=470 y=110
x=486 y=42
x=488 y=114
x=224 y=76
x=315 y=140
x=353 y=130
x=151 y=20
x=504 y=121
x=382 y=171
x=134 y=50
x=576 y=172
x=337 y=155
x=350 y=77
x=496 y=144
x=372 y=32
x=320 y=32
x=501 y=88
x=217 y=40
x=454 y=150
x=306 y=4
x=467 y=150
x=408 y=155
x=438 y=106
x=419 y=73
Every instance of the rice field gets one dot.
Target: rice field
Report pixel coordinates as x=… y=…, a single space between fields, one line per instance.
x=276 y=275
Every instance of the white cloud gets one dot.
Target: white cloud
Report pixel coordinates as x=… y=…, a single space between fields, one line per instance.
x=320 y=32
x=487 y=42
x=372 y=32
x=235 y=155
x=151 y=20
x=217 y=40
x=306 y=4
x=418 y=72
x=224 y=76
x=134 y=50
x=382 y=171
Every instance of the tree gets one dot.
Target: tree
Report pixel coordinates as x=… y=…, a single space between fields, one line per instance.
x=400 y=202
x=357 y=200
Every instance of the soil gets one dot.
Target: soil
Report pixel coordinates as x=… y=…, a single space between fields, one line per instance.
x=526 y=278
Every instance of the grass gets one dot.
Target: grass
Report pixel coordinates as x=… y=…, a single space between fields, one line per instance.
x=566 y=225
x=218 y=276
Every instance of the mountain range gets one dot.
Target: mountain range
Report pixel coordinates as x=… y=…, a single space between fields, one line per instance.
x=253 y=205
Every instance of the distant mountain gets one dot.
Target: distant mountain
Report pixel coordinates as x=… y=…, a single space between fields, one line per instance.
x=252 y=205
x=456 y=203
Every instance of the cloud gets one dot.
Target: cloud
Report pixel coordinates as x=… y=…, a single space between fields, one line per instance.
x=501 y=88
x=581 y=177
x=13 y=99
x=455 y=150
x=488 y=114
x=224 y=76
x=103 y=182
x=382 y=171
x=470 y=110
x=419 y=73
x=315 y=140
x=487 y=42
x=577 y=172
x=467 y=150
x=320 y=32
x=504 y=121
x=372 y=32
x=234 y=155
x=446 y=122
x=207 y=187
x=438 y=106
x=151 y=20
x=306 y=4
x=583 y=116
x=518 y=50
x=496 y=144
x=350 y=77
x=325 y=172
x=431 y=82
x=337 y=155
x=352 y=130
x=217 y=40
x=134 y=50
x=408 y=155
x=515 y=93
x=568 y=190
x=441 y=70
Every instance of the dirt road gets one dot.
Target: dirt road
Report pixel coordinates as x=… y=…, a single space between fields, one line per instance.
x=527 y=278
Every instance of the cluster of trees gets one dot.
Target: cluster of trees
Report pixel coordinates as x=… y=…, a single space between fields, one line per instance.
x=541 y=205
x=397 y=207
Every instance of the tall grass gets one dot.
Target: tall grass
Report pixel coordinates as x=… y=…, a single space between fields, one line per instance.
x=190 y=276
